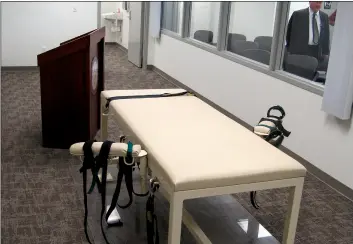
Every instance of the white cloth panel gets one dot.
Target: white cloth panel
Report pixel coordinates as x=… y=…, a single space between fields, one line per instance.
x=338 y=94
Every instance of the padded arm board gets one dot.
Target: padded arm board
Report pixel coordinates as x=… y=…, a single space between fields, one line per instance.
x=116 y=150
x=194 y=146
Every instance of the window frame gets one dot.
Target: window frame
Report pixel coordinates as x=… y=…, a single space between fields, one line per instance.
x=276 y=58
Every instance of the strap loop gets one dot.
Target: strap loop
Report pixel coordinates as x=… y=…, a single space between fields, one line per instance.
x=278 y=108
x=103 y=163
x=87 y=164
x=129 y=155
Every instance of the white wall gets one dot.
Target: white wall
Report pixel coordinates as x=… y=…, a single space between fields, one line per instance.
x=322 y=140
x=0 y=40
x=154 y=28
x=29 y=26
x=107 y=7
x=200 y=17
x=205 y=16
x=252 y=19
x=214 y=23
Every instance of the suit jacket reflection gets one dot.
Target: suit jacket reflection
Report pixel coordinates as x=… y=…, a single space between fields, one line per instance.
x=298 y=33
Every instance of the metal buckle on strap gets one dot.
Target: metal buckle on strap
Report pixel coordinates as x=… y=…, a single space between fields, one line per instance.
x=154 y=185
x=105 y=112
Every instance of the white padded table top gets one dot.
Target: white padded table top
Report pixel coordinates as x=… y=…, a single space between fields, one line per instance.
x=195 y=146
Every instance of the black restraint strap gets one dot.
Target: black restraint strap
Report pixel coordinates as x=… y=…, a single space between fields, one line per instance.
x=151 y=222
x=88 y=163
x=275 y=134
x=102 y=161
x=253 y=199
x=124 y=170
x=279 y=119
x=278 y=132
x=95 y=179
x=144 y=96
x=278 y=108
x=286 y=133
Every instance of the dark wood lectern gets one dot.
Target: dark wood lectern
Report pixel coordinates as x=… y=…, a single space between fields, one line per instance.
x=71 y=79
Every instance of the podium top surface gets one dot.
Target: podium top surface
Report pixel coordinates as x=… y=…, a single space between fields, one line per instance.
x=83 y=41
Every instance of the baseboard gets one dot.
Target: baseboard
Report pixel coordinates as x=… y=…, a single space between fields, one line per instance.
x=111 y=43
x=318 y=173
x=122 y=47
x=321 y=175
x=19 y=68
x=117 y=44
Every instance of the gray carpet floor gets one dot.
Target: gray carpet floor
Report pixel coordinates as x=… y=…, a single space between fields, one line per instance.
x=41 y=196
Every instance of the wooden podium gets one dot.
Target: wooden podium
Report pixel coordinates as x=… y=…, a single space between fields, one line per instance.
x=71 y=79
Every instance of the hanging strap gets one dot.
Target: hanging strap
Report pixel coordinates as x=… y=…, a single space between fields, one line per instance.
x=151 y=222
x=95 y=179
x=88 y=163
x=151 y=218
x=277 y=132
x=144 y=96
x=128 y=173
x=102 y=161
x=253 y=199
x=286 y=133
x=125 y=169
x=275 y=138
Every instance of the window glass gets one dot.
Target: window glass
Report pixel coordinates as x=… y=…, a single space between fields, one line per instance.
x=308 y=39
x=172 y=15
x=251 y=29
x=205 y=21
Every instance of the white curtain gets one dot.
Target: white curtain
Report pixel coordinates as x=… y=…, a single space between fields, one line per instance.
x=338 y=94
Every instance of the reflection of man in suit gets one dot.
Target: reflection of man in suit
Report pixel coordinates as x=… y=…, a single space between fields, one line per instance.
x=308 y=33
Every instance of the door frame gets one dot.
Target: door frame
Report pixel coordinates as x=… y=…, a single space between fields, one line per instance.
x=99 y=15
x=145 y=43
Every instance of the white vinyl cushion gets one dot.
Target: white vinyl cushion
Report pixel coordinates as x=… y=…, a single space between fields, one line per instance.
x=263 y=130
x=195 y=146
